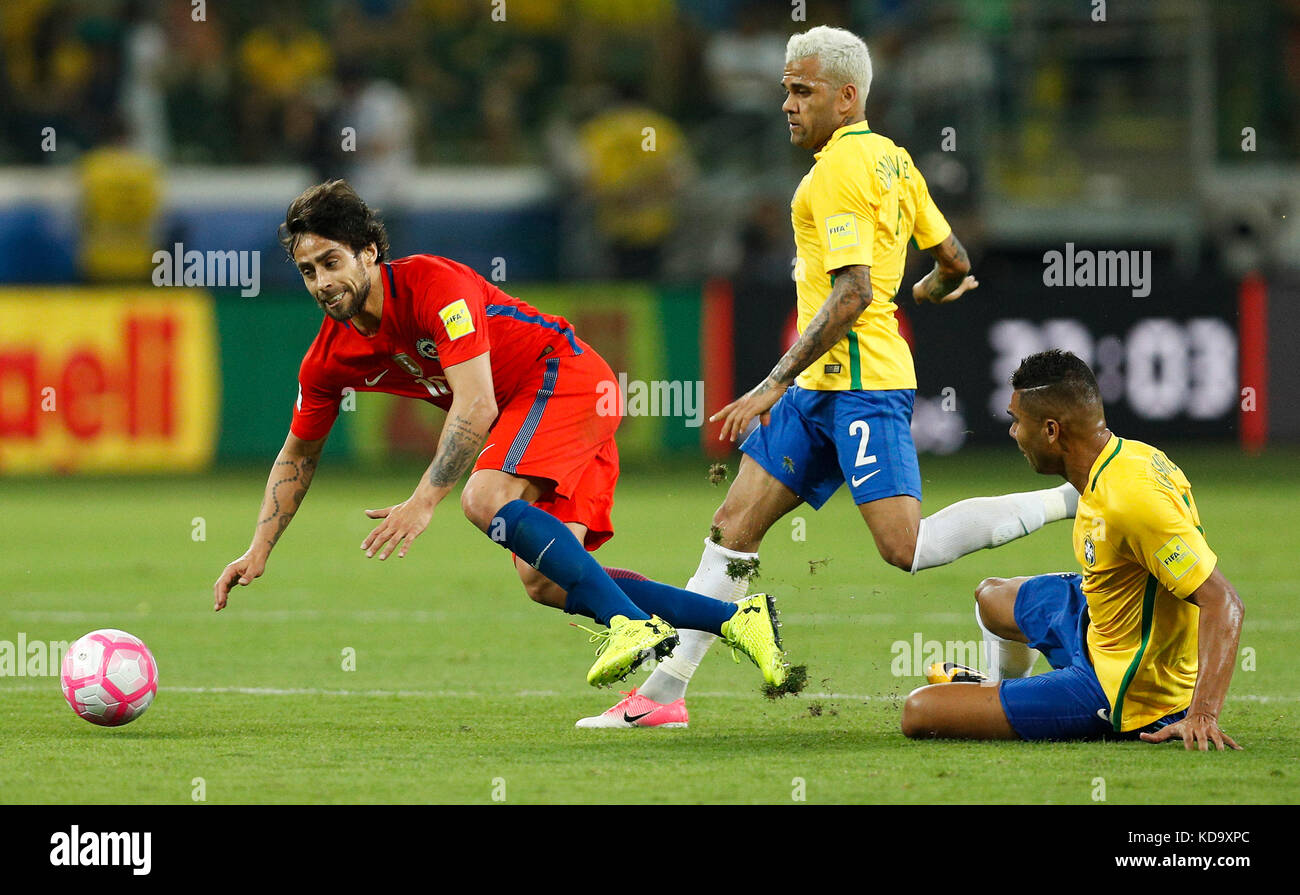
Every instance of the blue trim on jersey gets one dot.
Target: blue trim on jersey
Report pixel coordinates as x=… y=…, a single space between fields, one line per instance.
x=527 y=430
x=392 y=283
x=536 y=319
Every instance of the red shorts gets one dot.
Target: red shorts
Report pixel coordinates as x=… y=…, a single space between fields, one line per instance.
x=560 y=427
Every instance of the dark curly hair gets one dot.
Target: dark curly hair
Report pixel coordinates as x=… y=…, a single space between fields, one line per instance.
x=1057 y=378
x=335 y=211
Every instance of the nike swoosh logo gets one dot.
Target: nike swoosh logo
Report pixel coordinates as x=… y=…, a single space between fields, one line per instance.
x=633 y=718
x=858 y=481
x=1104 y=714
x=538 y=565
x=381 y=375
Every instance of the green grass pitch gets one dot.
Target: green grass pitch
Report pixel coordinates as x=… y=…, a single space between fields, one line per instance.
x=464 y=691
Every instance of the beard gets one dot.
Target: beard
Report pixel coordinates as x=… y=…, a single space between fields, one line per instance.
x=351 y=300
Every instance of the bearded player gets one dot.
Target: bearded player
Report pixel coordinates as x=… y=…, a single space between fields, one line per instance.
x=520 y=390
x=1143 y=643
x=837 y=408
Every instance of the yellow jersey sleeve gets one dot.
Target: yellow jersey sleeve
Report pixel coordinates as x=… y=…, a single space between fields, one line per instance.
x=1165 y=539
x=930 y=227
x=844 y=209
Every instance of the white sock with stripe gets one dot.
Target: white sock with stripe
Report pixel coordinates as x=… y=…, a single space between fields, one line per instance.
x=981 y=522
x=668 y=681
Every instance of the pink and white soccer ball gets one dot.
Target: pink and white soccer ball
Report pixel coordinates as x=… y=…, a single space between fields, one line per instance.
x=109 y=677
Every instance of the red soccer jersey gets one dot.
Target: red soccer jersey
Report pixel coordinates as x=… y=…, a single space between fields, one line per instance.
x=437 y=313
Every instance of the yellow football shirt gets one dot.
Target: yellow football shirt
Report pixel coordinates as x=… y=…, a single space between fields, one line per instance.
x=1139 y=539
x=860 y=203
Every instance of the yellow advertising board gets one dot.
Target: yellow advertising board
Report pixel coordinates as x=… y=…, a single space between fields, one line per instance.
x=107 y=380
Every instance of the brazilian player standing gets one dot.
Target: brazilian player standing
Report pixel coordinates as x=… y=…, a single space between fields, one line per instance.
x=837 y=408
x=1143 y=643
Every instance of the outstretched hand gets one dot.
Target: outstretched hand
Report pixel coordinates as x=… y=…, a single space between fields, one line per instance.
x=921 y=291
x=402 y=524
x=1197 y=731
x=758 y=402
x=242 y=571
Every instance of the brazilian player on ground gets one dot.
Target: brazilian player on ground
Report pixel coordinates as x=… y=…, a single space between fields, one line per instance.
x=510 y=377
x=837 y=408
x=1143 y=643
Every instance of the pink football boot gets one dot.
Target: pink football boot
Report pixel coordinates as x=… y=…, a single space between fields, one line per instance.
x=639 y=711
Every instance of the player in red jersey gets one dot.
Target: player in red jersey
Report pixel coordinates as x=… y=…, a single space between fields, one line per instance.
x=520 y=390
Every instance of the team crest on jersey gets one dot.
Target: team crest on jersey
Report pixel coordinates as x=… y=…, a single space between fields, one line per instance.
x=426 y=348
x=404 y=361
x=1089 y=550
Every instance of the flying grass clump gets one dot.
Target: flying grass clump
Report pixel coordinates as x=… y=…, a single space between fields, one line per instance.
x=742 y=569
x=795 y=680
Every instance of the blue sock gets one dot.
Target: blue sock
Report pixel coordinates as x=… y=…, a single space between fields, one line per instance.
x=680 y=608
x=546 y=543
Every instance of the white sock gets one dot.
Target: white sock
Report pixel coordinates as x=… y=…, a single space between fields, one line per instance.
x=668 y=682
x=1006 y=658
x=981 y=522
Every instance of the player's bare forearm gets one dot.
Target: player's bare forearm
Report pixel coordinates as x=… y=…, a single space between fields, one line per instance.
x=950 y=273
x=1218 y=634
x=462 y=438
x=286 y=487
x=848 y=299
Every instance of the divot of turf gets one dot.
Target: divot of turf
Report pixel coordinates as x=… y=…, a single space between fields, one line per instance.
x=742 y=569
x=795 y=680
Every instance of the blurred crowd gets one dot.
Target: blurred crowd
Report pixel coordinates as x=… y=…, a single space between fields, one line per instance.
x=452 y=81
x=371 y=89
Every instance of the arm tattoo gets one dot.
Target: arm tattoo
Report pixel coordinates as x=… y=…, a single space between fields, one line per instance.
x=950 y=256
x=296 y=473
x=458 y=446
x=848 y=299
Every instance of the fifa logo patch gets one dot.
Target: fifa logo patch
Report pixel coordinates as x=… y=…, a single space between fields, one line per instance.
x=841 y=231
x=1176 y=557
x=1089 y=550
x=456 y=318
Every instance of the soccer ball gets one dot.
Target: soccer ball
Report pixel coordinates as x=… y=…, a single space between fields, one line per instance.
x=109 y=677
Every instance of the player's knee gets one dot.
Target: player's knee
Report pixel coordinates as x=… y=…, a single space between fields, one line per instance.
x=545 y=591
x=898 y=551
x=915 y=722
x=995 y=601
x=985 y=589
x=480 y=504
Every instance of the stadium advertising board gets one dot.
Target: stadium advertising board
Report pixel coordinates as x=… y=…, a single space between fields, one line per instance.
x=1166 y=361
x=107 y=380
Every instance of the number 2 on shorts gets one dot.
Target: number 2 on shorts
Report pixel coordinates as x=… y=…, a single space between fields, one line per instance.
x=861 y=427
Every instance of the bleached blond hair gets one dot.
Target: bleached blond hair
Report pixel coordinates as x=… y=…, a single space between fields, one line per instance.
x=843 y=56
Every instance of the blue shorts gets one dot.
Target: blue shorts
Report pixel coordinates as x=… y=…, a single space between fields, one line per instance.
x=819 y=440
x=1067 y=703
